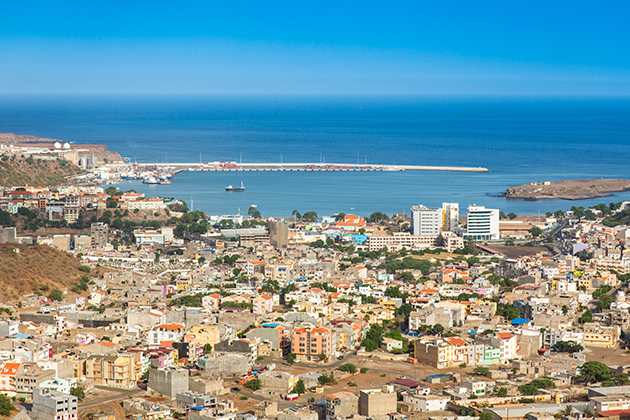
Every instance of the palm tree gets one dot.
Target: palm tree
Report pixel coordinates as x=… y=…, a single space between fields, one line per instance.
x=567 y=410
x=588 y=412
x=296 y=214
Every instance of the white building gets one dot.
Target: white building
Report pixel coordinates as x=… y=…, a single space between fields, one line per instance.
x=482 y=223
x=426 y=221
x=450 y=217
x=425 y=403
x=165 y=332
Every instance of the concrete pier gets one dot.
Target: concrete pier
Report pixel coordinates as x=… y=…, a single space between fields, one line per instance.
x=309 y=167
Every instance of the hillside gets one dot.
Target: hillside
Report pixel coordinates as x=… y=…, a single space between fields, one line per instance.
x=35 y=267
x=17 y=171
x=621 y=218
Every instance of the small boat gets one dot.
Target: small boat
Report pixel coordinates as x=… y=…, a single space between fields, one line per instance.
x=236 y=189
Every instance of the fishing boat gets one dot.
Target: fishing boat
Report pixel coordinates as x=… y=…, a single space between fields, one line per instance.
x=235 y=189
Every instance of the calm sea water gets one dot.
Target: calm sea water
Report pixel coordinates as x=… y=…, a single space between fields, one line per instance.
x=519 y=139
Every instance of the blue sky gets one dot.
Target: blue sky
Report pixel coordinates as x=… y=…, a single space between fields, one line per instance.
x=242 y=47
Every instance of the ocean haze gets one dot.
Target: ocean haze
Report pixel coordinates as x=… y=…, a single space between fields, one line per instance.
x=518 y=138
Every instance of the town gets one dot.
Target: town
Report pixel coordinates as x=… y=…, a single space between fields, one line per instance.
x=156 y=311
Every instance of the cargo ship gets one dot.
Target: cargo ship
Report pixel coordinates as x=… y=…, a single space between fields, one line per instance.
x=237 y=189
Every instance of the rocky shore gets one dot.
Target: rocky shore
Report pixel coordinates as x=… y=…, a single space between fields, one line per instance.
x=574 y=189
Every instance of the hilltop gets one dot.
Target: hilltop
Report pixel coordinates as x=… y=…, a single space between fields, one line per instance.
x=17 y=171
x=25 y=269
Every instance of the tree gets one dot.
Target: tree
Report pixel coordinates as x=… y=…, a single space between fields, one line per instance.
x=207 y=348
x=536 y=231
x=56 y=295
x=502 y=392
x=528 y=389
x=339 y=217
x=438 y=329
x=594 y=371
x=325 y=379
x=585 y=317
x=567 y=410
x=502 y=214
x=253 y=384
x=377 y=216
x=299 y=387
x=291 y=358
x=348 y=367
x=296 y=214
x=5 y=406
x=604 y=301
x=481 y=370
x=78 y=392
x=486 y=415
x=253 y=212
x=567 y=347
x=111 y=190
x=310 y=216
x=512 y=216
x=373 y=338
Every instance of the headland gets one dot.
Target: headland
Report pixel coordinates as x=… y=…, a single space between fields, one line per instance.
x=574 y=189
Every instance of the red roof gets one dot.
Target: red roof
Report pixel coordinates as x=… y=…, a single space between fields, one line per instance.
x=170 y=326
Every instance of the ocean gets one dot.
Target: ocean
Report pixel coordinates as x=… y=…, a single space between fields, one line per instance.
x=519 y=139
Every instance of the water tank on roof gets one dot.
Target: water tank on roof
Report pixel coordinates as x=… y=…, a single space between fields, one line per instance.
x=66 y=145
x=57 y=145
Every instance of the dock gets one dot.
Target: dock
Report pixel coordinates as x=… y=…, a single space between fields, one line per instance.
x=308 y=167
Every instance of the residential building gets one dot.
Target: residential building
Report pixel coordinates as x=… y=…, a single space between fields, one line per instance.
x=53 y=405
x=377 y=402
x=311 y=344
x=341 y=405
x=278 y=233
x=165 y=332
x=99 y=234
x=112 y=371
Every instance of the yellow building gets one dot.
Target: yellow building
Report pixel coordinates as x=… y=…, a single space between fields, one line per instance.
x=113 y=371
x=204 y=335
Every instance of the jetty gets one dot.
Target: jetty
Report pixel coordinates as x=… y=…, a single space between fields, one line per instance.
x=308 y=167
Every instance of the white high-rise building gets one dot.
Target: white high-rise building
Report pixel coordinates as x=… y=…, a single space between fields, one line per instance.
x=450 y=217
x=426 y=221
x=482 y=223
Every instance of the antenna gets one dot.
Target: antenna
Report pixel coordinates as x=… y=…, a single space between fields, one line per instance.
x=192 y=204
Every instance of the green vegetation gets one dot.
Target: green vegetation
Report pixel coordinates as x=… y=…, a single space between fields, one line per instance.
x=55 y=295
x=241 y=305
x=373 y=338
x=567 y=347
x=253 y=384
x=207 y=348
x=325 y=379
x=299 y=387
x=191 y=301
x=594 y=371
x=78 y=392
x=348 y=367
x=507 y=311
x=481 y=370
x=27 y=171
x=291 y=358
x=407 y=263
x=5 y=406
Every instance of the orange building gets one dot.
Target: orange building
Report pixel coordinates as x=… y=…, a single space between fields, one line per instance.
x=309 y=344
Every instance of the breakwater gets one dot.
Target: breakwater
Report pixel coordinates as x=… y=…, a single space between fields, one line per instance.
x=310 y=167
